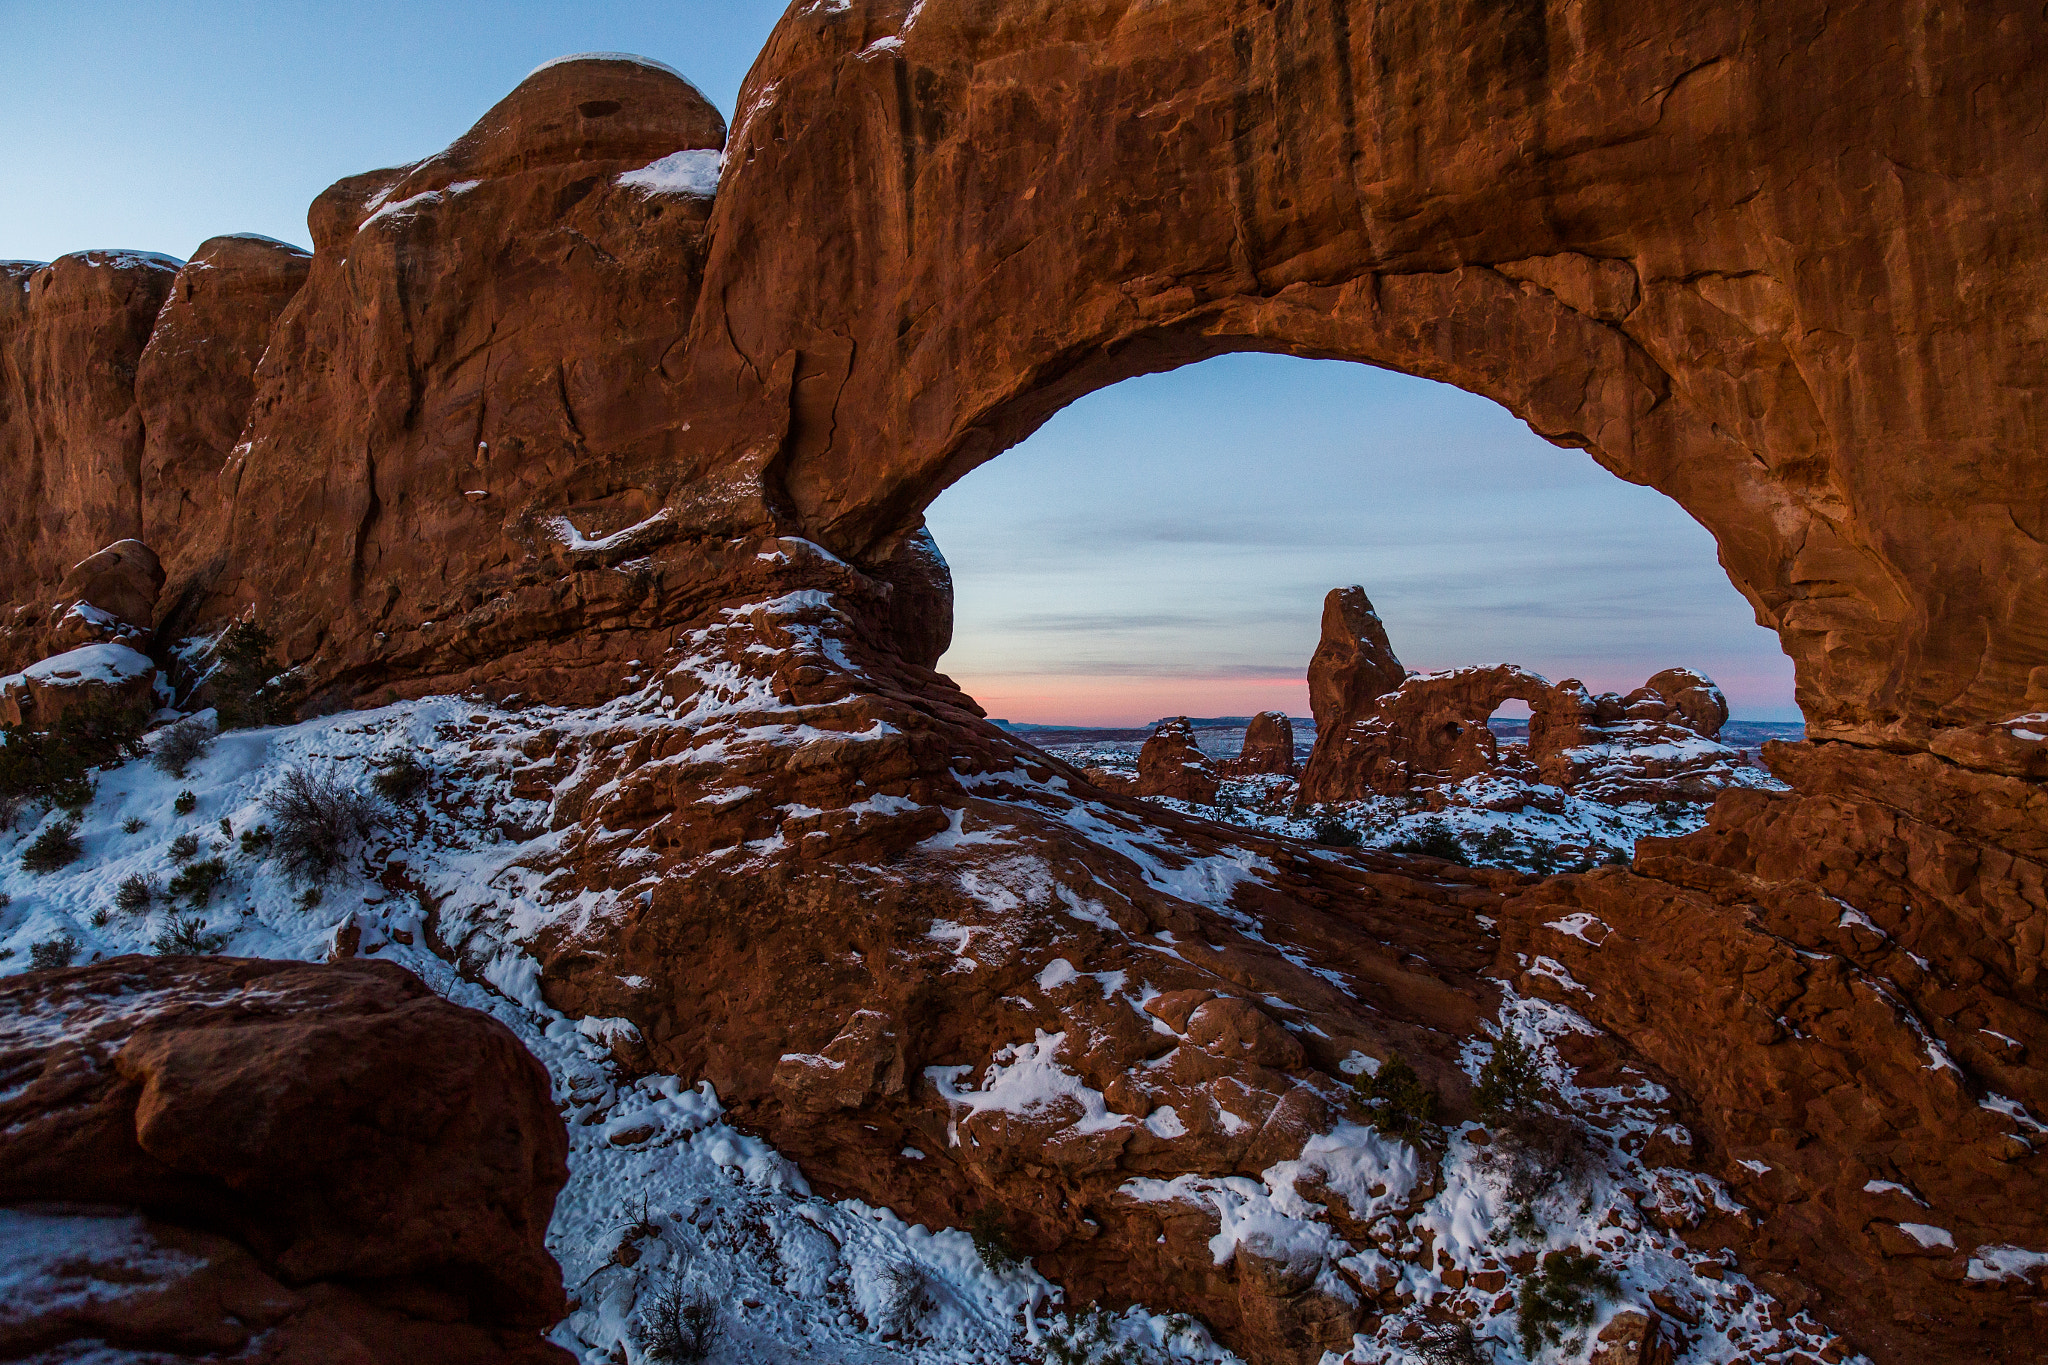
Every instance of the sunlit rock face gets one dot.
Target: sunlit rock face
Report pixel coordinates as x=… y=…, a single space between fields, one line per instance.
x=583 y=414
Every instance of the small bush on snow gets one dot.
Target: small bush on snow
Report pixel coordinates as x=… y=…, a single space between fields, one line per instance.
x=991 y=1234
x=187 y=802
x=684 y=1324
x=1561 y=1297
x=1397 y=1101
x=180 y=746
x=196 y=882
x=184 y=848
x=400 y=777
x=187 y=938
x=1088 y=1337
x=906 y=1298
x=52 y=953
x=54 y=848
x=134 y=894
x=315 y=822
x=250 y=687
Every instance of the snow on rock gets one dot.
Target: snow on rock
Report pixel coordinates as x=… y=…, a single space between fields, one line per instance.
x=103 y=663
x=693 y=172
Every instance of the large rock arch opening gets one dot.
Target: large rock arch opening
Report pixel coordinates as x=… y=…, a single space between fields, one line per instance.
x=545 y=411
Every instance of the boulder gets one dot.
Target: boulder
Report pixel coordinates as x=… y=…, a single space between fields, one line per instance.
x=1268 y=745
x=1633 y=1336
x=1172 y=765
x=40 y=694
x=120 y=581
x=339 y=1156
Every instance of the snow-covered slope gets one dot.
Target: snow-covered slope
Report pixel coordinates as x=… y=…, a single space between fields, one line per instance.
x=665 y=1197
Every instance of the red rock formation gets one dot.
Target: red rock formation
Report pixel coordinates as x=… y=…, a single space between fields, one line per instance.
x=457 y=450
x=529 y=421
x=196 y=378
x=1268 y=745
x=1172 y=765
x=359 y=1167
x=39 y=695
x=1854 y=1016
x=1431 y=729
x=1353 y=663
x=71 y=334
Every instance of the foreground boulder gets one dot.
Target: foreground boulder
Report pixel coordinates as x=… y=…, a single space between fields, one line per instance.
x=331 y=1155
x=40 y=694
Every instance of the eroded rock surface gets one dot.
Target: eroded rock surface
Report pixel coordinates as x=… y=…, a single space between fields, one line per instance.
x=323 y=1163
x=1172 y=765
x=578 y=400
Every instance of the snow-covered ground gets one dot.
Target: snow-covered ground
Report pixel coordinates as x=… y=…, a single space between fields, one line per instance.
x=664 y=1194
x=1496 y=820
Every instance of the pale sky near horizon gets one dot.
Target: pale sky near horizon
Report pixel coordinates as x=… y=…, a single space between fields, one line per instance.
x=1161 y=547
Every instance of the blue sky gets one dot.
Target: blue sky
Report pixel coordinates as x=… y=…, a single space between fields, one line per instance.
x=1159 y=547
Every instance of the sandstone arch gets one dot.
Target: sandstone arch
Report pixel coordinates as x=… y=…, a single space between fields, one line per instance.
x=1619 y=222
x=1780 y=261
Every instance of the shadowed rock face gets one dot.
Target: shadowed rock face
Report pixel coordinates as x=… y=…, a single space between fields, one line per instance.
x=1268 y=745
x=543 y=407
x=196 y=378
x=71 y=435
x=362 y=1167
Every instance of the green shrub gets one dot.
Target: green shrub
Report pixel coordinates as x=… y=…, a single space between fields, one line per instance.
x=1510 y=1082
x=54 y=767
x=134 y=824
x=1561 y=1297
x=1088 y=1337
x=184 y=848
x=196 y=881
x=1434 y=840
x=186 y=803
x=52 y=953
x=254 y=841
x=1397 y=1100
x=309 y=898
x=57 y=846
x=251 y=688
x=991 y=1234
x=1334 y=833
x=134 y=894
x=187 y=938
x=400 y=777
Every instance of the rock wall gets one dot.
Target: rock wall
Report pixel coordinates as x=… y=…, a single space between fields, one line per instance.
x=71 y=336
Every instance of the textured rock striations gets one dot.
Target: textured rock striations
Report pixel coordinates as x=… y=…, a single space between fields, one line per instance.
x=332 y=1159
x=578 y=403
